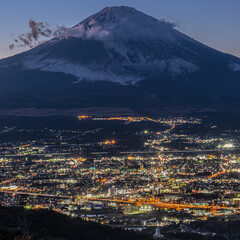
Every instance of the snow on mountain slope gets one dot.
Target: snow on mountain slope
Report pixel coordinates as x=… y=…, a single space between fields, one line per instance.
x=80 y=71
x=134 y=44
x=120 y=57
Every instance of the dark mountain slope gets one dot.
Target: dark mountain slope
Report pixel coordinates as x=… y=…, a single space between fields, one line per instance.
x=120 y=57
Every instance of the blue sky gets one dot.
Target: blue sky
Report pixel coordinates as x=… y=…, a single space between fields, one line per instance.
x=213 y=22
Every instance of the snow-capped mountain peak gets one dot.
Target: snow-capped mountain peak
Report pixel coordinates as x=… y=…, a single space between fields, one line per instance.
x=121 y=23
x=118 y=44
x=119 y=57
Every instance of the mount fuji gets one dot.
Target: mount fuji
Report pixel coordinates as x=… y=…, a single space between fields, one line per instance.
x=120 y=57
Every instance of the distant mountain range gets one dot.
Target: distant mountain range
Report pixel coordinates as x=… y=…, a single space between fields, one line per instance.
x=121 y=58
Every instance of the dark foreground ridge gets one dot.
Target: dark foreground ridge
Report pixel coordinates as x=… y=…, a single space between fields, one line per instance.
x=45 y=224
x=18 y=223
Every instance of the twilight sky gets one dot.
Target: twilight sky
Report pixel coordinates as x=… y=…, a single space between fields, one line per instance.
x=215 y=23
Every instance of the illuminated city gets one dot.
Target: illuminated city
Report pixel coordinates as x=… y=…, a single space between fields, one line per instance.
x=133 y=172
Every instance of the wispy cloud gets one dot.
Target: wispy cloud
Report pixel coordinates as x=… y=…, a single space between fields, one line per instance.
x=38 y=31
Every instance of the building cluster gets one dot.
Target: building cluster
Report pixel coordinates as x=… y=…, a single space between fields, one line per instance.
x=178 y=175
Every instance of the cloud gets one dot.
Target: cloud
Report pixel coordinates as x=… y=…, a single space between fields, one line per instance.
x=11 y=46
x=39 y=33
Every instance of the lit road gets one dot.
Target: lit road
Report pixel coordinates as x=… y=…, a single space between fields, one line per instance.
x=35 y=154
x=173 y=151
x=33 y=194
x=159 y=204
